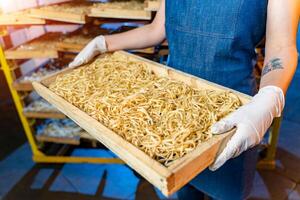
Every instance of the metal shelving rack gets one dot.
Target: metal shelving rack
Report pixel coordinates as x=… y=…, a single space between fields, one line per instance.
x=9 y=67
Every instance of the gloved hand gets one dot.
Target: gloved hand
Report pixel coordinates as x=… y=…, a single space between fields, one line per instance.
x=251 y=120
x=94 y=47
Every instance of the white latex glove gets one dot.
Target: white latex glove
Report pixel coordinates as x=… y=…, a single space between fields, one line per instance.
x=251 y=120
x=94 y=47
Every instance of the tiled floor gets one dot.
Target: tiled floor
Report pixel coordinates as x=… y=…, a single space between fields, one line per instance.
x=20 y=178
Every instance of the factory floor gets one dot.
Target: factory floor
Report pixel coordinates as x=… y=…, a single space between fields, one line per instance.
x=21 y=178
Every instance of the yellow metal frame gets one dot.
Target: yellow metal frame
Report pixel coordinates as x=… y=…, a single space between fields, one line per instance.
x=39 y=156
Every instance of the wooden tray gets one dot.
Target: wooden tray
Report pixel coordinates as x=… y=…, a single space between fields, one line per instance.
x=20 y=18
x=44 y=115
x=167 y=179
x=119 y=13
x=73 y=12
x=48 y=40
x=59 y=140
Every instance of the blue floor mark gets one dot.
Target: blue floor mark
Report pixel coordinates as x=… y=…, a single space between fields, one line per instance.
x=14 y=167
x=62 y=184
x=120 y=183
x=41 y=178
x=84 y=178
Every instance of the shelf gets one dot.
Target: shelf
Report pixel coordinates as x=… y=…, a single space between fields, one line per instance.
x=24 y=83
x=44 y=115
x=73 y=12
x=65 y=140
x=25 y=86
x=74 y=42
x=26 y=54
x=60 y=140
x=41 y=47
x=120 y=10
x=20 y=18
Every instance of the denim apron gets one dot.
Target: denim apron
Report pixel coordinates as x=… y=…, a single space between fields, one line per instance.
x=215 y=40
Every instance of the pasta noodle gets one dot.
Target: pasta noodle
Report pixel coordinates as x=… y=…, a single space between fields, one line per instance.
x=164 y=118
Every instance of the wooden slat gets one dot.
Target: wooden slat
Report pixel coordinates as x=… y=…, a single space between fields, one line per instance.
x=70 y=47
x=58 y=16
x=22 y=86
x=41 y=47
x=167 y=179
x=26 y=54
x=59 y=140
x=120 y=13
x=20 y=18
x=44 y=115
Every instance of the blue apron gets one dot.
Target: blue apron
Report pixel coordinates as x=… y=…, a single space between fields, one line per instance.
x=215 y=40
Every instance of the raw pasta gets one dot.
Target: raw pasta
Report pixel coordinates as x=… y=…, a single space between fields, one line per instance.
x=164 y=118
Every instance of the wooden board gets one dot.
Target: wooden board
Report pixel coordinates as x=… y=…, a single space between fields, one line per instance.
x=22 y=86
x=69 y=47
x=44 y=115
x=73 y=12
x=26 y=54
x=167 y=179
x=120 y=14
x=41 y=47
x=120 y=10
x=152 y=5
x=20 y=18
x=58 y=16
x=59 y=140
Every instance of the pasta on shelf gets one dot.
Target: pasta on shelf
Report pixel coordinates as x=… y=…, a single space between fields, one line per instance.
x=45 y=42
x=164 y=118
x=77 y=7
x=122 y=4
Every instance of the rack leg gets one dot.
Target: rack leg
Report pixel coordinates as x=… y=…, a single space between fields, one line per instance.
x=18 y=103
x=269 y=161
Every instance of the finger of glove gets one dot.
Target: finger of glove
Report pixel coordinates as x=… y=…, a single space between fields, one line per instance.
x=224 y=125
x=76 y=62
x=225 y=155
x=236 y=145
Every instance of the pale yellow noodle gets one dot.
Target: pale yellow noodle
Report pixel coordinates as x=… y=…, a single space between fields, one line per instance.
x=164 y=118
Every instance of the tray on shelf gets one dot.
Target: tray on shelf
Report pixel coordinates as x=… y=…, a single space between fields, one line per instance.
x=62 y=131
x=41 y=47
x=41 y=109
x=20 y=18
x=169 y=178
x=75 y=41
x=131 y=9
x=73 y=12
x=24 y=82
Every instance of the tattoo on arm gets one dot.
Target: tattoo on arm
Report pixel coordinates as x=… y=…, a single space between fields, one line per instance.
x=273 y=64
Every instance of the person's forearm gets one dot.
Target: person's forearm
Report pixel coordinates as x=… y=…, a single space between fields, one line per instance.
x=279 y=68
x=281 y=52
x=138 y=38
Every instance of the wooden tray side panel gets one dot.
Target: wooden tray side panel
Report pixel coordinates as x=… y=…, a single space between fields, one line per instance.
x=120 y=14
x=58 y=16
x=189 y=166
x=26 y=54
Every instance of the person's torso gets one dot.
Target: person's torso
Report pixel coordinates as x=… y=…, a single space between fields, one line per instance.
x=215 y=39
